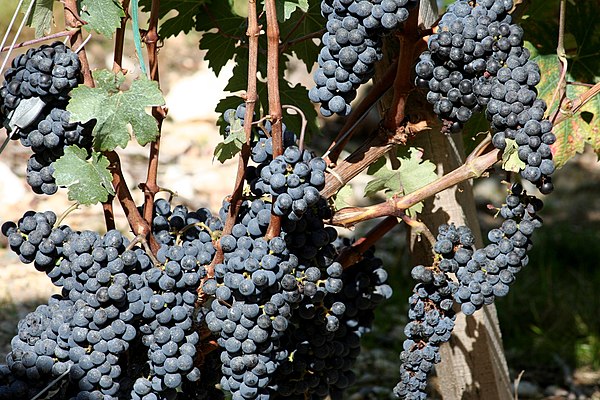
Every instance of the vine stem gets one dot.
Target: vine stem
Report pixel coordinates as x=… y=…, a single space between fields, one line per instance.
x=353 y=253
x=561 y=88
x=138 y=225
x=573 y=106
x=303 y=126
x=120 y=40
x=150 y=187
x=378 y=144
x=274 y=99
x=396 y=206
x=410 y=42
x=253 y=33
x=360 y=112
x=67 y=32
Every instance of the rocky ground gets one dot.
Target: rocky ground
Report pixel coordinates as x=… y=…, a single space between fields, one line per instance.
x=187 y=168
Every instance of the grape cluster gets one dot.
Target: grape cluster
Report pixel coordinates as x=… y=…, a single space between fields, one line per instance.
x=293 y=179
x=351 y=46
x=48 y=72
x=115 y=301
x=277 y=302
x=482 y=275
x=47 y=140
x=455 y=65
x=431 y=320
x=324 y=352
x=491 y=270
x=477 y=61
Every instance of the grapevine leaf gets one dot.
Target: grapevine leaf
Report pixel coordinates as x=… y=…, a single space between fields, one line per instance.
x=187 y=13
x=231 y=29
x=573 y=133
x=510 y=157
x=219 y=50
x=298 y=96
x=102 y=16
x=582 y=35
x=287 y=7
x=376 y=166
x=412 y=174
x=88 y=180
x=40 y=16
x=229 y=102
x=117 y=111
x=300 y=24
x=233 y=142
x=343 y=196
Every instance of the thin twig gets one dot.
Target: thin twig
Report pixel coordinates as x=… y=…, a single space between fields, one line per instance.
x=561 y=88
x=351 y=216
x=419 y=228
x=120 y=39
x=573 y=106
x=287 y=44
x=10 y=25
x=302 y=128
x=377 y=91
x=67 y=33
x=253 y=33
x=150 y=187
x=517 y=381
x=65 y=213
x=353 y=253
x=12 y=45
x=410 y=43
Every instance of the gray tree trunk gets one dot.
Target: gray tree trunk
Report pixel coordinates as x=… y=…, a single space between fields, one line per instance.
x=473 y=364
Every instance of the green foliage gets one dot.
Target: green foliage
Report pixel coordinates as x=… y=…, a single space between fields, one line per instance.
x=412 y=174
x=286 y=8
x=301 y=23
x=581 y=128
x=117 y=111
x=221 y=46
x=582 y=35
x=88 y=180
x=102 y=16
x=40 y=17
x=342 y=197
x=189 y=12
x=233 y=142
x=510 y=157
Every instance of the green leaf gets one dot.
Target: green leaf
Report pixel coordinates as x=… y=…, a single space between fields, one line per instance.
x=40 y=16
x=582 y=35
x=116 y=111
x=219 y=50
x=231 y=30
x=376 y=166
x=286 y=8
x=228 y=103
x=301 y=23
x=413 y=174
x=510 y=157
x=88 y=180
x=102 y=16
x=577 y=130
x=298 y=96
x=232 y=144
x=186 y=15
x=343 y=196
